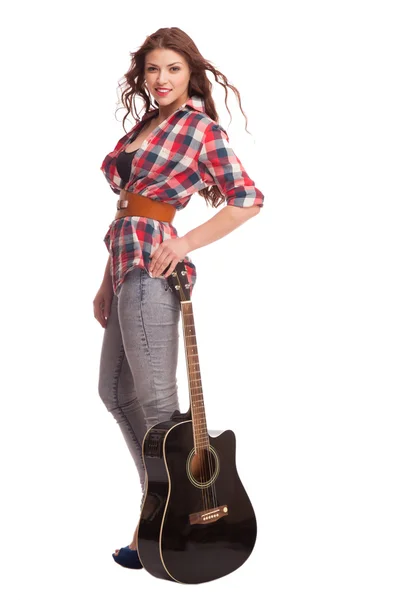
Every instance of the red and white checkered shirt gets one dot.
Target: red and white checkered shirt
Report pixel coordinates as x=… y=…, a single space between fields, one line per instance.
x=187 y=152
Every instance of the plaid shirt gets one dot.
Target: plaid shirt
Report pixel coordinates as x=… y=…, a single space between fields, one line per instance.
x=187 y=152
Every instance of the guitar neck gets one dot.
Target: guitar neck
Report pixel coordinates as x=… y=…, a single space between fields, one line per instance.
x=200 y=432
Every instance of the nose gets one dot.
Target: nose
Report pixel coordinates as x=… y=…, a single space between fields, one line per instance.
x=161 y=79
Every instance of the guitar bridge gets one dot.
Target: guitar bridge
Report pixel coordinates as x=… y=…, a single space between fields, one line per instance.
x=206 y=516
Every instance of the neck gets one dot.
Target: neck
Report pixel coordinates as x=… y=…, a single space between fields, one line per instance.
x=165 y=111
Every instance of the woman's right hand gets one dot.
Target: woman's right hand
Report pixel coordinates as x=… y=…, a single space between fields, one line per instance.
x=102 y=302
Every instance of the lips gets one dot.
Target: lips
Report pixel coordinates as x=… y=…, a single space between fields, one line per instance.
x=162 y=92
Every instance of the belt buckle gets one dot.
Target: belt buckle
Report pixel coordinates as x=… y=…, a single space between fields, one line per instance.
x=121 y=204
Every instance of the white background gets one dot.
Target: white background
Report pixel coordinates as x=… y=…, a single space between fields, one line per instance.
x=297 y=311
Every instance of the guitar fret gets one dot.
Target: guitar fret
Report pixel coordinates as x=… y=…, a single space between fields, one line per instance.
x=200 y=433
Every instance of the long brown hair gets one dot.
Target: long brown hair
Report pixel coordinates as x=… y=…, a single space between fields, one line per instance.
x=175 y=39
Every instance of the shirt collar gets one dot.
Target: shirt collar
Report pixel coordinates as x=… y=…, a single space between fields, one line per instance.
x=194 y=102
x=197 y=103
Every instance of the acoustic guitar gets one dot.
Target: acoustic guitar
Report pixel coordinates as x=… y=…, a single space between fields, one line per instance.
x=197 y=523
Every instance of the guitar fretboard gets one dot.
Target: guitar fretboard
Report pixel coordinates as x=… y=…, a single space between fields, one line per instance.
x=200 y=433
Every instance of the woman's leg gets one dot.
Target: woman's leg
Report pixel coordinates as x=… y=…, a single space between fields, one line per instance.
x=117 y=389
x=149 y=314
x=139 y=359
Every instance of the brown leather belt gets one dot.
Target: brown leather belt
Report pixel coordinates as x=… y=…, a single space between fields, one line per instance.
x=135 y=205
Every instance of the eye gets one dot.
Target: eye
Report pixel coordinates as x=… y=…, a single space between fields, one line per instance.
x=149 y=68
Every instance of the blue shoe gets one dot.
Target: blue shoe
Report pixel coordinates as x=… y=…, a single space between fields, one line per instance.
x=128 y=558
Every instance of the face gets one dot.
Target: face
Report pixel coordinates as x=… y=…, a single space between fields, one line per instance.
x=165 y=68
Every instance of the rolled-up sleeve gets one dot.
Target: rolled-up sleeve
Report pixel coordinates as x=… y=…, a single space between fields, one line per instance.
x=219 y=165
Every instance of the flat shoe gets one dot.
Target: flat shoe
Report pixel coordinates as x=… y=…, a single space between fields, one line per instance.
x=128 y=558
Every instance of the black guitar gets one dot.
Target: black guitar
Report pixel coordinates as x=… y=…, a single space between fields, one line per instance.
x=197 y=523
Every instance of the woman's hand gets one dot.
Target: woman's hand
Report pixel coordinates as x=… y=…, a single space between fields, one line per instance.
x=102 y=302
x=169 y=252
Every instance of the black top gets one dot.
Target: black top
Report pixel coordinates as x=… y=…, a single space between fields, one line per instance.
x=124 y=165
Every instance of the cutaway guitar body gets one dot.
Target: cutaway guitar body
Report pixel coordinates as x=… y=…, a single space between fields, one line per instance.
x=197 y=523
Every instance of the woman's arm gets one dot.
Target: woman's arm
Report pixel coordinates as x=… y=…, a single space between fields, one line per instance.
x=107 y=273
x=175 y=249
x=225 y=221
x=218 y=165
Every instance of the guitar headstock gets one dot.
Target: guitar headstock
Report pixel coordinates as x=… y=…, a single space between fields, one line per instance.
x=179 y=282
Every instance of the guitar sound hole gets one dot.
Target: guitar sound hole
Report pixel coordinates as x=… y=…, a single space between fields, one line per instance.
x=202 y=466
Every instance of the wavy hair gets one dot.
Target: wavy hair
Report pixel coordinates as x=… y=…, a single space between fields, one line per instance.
x=133 y=84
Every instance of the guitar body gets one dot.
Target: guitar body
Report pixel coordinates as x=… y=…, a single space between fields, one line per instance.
x=195 y=526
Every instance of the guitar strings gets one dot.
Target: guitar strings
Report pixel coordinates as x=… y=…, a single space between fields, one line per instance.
x=200 y=450
x=203 y=454
x=203 y=451
x=189 y=321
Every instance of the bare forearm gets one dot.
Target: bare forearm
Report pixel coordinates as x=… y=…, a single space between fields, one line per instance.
x=225 y=221
x=107 y=271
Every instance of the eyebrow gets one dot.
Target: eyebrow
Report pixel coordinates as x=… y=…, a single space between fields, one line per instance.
x=175 y=63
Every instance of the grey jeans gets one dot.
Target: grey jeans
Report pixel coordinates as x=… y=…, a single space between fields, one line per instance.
x=139 y=356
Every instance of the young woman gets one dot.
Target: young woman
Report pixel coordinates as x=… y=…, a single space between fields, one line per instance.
x=175 y=150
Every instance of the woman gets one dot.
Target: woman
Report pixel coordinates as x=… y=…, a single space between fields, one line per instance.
x=175 y=150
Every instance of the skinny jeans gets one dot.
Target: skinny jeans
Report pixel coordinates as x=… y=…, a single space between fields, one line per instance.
x=139 y=356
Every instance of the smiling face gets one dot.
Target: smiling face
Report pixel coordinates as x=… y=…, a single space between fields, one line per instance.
x=167 y=69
